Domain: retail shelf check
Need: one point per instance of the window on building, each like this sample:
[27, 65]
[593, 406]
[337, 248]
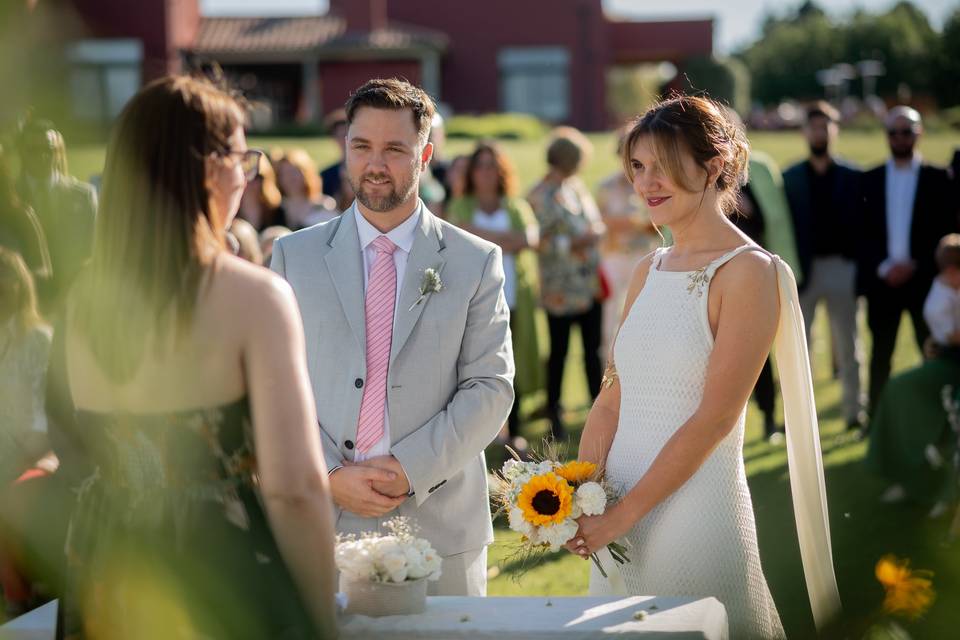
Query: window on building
[535, 80]
[104, 75]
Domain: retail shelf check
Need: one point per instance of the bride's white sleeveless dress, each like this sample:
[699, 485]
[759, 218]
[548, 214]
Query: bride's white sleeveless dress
[702, 540]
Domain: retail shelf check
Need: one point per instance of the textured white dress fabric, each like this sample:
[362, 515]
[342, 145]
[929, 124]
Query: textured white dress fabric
[702, 540]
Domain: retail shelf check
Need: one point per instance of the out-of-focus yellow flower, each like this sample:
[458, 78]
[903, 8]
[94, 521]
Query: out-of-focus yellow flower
[546, 500]
[576, 471]
[909, 593]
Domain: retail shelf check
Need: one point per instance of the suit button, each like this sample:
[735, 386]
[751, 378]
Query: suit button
[348, 444]
[358, 383]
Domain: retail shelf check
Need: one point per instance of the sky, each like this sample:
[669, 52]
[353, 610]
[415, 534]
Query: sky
[737, 21]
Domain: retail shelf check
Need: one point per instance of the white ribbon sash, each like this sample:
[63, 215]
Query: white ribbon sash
[612, 569]
[803, 452]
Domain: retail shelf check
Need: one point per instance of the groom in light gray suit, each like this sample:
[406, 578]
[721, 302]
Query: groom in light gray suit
[412, 373]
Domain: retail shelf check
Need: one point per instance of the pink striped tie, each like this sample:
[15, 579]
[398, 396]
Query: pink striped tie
[381, 298]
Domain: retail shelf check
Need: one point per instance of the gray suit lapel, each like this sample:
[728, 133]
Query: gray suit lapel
[345, 264]
[425, 254]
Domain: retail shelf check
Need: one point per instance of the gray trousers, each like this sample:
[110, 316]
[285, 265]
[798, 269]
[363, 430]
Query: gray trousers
[833, 280]
[463, 574]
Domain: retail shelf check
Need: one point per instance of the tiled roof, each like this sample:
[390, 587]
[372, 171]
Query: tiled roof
[304, 33]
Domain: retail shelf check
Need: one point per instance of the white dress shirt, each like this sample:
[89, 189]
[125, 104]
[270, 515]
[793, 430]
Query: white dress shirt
[901, 191]
[942, 311]
[403, 236]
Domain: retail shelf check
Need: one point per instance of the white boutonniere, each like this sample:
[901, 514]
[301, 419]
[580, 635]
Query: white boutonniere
[431, 283]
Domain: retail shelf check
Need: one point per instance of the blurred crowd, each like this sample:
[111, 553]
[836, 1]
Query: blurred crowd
[883, 241]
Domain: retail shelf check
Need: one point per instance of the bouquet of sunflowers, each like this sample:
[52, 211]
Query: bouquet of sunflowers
[543, 499]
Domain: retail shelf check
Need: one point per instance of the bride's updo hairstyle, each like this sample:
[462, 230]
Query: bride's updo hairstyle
[699, 127]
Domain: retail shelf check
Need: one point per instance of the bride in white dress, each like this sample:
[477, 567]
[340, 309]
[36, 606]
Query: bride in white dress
[668, 425]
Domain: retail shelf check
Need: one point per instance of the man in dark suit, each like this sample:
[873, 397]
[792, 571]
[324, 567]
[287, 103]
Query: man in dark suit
[65, 207]
[906, 210]
[824, 195]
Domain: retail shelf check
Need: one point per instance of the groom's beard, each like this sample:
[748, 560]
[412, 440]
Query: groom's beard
[393, 199]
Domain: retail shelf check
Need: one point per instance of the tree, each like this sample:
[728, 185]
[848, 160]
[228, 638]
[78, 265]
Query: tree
[783, 63]
[947, 72]
[726, 80]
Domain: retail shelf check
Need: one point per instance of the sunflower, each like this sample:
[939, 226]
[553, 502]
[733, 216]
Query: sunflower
[545, 500]
[576, 472]
[909, 593]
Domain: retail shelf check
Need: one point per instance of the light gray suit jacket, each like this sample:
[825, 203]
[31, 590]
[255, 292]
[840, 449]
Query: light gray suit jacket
[450, 381]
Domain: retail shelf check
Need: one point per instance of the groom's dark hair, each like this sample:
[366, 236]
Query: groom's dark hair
[395, 94]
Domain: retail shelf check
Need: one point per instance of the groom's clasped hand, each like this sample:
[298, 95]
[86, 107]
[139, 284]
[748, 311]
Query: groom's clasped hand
[370, 489]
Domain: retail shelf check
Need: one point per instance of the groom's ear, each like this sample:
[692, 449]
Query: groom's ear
[425, 155]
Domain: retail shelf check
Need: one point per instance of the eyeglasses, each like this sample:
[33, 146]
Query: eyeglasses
[249, 162]
[905, 133]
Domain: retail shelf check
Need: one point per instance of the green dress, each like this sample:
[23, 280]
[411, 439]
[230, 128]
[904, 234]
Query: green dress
[526, 339]
[910, 416]
[168, 537]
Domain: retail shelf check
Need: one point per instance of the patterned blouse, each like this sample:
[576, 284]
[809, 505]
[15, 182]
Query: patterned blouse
[23, 369]
[569, 279]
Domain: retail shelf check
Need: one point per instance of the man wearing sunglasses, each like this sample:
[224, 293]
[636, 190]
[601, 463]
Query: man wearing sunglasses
[907, 209]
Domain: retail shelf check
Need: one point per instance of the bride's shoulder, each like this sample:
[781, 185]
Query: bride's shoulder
[754, 269]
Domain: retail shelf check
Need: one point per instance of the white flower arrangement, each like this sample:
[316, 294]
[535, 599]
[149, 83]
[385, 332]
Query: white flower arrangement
[393, 558]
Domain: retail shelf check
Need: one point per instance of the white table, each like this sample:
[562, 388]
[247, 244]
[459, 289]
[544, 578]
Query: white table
[537, 618]
[549, 619]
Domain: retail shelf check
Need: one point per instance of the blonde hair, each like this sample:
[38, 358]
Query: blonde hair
[701, 128]
[568, 150]
[269, 194]
[16, 281]
[302, 162]
[948, 251]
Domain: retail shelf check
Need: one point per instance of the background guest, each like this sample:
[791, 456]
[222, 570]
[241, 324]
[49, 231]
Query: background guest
[630, 236]
[570, 233]
[20, 229]
[210, 493]
[907, 209]
[491, 209]
[332, 177]
[764, 215]
[260, 204]
[824, 195]
[267, 237]
[456, 178]
[65, 207]
[24, 351]
[304, 204]
[910, 421]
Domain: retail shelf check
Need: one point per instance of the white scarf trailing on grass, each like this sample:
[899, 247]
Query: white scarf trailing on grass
[803, 452]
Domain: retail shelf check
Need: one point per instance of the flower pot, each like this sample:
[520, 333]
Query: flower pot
[384, 598]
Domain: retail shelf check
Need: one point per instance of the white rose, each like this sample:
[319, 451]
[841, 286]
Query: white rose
[399, 575]
[432, 564]
[575, 510]
[592, 498]
[518, 523]
[558, 535]
[394, 561]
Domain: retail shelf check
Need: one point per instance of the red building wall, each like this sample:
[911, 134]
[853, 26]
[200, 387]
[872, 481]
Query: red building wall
[338, 79]
[162, 26]
[478, 30]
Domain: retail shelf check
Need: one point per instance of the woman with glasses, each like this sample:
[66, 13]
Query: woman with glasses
[180, 391]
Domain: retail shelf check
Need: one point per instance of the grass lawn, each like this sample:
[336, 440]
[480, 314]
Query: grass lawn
[863, 529]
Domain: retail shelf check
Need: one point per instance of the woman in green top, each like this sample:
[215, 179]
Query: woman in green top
[490, 209]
